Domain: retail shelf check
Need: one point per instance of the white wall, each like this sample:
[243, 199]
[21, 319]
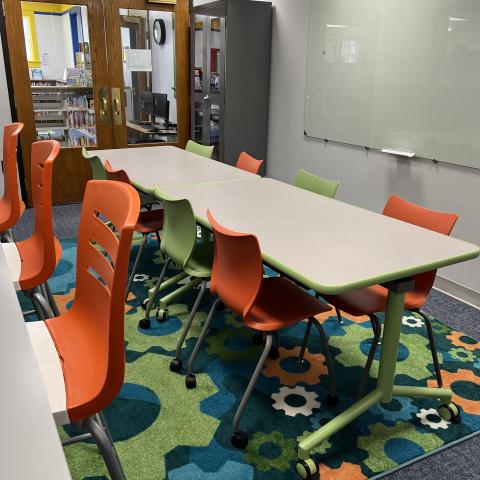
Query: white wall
[163, 76]
[366, 179]
[5, 116]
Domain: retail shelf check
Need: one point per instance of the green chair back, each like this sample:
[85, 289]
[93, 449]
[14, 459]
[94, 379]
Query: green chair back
[203, 150]
[313, 183]
[179, 228]
[98, 170]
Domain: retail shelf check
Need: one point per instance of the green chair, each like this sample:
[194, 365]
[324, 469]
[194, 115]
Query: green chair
[179, 245]
[203, 150]
[313, 183]
[98, 170]
[99, 173]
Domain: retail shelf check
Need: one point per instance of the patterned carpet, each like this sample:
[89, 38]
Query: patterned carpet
[164, 431]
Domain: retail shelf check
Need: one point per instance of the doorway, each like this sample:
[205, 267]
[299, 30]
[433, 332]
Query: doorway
[97, 74]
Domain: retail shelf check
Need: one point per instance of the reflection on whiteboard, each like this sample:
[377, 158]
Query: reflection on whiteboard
[138, 60]
[396, 74]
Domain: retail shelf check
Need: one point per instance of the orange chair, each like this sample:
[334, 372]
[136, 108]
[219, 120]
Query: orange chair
[372, 300]
[81, 354]
[33, 261]
[11, 206]
[248, 163]
[149, 222]
[265, 304]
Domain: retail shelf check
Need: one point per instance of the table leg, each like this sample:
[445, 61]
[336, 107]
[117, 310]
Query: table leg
[385, 388]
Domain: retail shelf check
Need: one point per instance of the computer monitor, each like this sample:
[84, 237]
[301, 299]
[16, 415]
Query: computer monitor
[161, 106]
[147, 102]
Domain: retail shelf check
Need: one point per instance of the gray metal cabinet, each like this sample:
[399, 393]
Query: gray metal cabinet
[230, 77]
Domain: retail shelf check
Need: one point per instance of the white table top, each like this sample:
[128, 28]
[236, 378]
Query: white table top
[170, 166]
[325, 244]
[29, 443]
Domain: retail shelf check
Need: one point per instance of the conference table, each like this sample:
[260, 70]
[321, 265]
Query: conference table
[327, 245]
[29, 444]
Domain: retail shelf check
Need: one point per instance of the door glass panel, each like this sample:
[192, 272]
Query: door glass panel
[200, 67]
[215, 55]
[215, 129]
[148, 54]
[58, 52]
[198, 122]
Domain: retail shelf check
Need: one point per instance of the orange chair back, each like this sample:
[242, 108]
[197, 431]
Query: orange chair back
[441, 222]
[116, 175]
[38, 251]
[237, 272]
[248, 163]
[102, 268]
[10, 203]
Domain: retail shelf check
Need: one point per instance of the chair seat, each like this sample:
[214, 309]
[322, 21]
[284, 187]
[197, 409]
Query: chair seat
[50, 369]
[371, 300]
[281, 303]
[200, 262]
[30, 261]
[150, 222]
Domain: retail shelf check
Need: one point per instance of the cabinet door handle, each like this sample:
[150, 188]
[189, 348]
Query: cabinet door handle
[103, 107]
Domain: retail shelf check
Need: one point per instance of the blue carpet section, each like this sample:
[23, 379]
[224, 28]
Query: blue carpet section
[163, 430]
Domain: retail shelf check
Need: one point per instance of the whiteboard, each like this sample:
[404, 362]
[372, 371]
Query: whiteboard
[398, 74]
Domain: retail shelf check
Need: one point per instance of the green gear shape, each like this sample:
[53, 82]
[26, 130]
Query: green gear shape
[351, 356]
[282, 462]
[195, 428]
[462, 355]
[139, 342]
[233, 320]
[439, 327]
[321, 449]
[217, 345]
[374, 443]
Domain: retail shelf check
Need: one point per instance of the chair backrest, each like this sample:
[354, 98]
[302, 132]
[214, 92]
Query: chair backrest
[203, 150]
[98, 170]
[248, 163]
[116, 175]
[179, 234]
[10, 203]
[440, 222]
[313, 183]
[237, 272]
[102, 268]
[41, 261]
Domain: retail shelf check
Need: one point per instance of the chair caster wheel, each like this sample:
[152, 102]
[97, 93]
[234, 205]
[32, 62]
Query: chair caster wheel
[176, 365]
[273, 353]
[239, 439]
[190, 381]
[257, 339]
[332, 400]
[307, 469]
[450, 412]
[144, 324]
[162, 314]
[145, 303]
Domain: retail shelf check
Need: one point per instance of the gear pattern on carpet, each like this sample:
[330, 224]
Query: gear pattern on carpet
[164, 431]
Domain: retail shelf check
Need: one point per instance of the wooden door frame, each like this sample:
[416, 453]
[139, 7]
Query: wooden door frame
[67, 187]
[182, 63]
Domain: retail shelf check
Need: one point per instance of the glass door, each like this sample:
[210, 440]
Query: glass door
[208, 81]
[149, 72]
[60, 84]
